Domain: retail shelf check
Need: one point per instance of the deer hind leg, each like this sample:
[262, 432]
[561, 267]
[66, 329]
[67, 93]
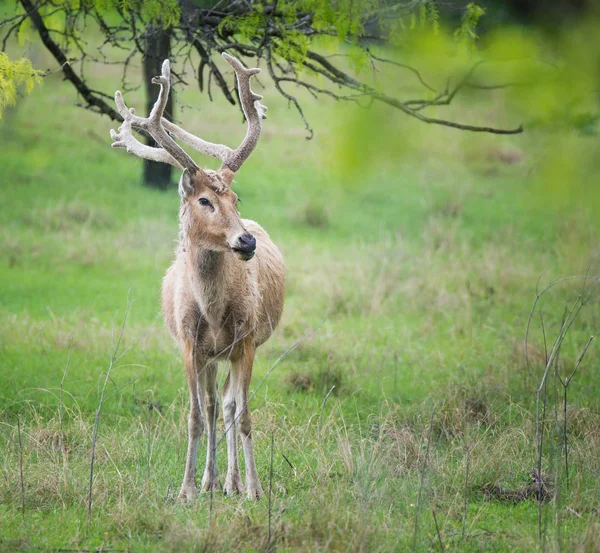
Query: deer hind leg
[242, 369]
[195, 428]
[233, 482]
[209, 400]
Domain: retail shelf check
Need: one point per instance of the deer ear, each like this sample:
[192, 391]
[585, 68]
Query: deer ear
[186, 186]
[227, 175]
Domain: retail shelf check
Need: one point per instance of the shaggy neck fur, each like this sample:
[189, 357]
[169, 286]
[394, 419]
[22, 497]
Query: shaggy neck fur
[208, 282]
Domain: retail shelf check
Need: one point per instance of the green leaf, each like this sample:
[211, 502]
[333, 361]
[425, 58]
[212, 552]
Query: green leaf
[13, 75]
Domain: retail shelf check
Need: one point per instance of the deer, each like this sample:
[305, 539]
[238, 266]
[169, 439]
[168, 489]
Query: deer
[222, 297]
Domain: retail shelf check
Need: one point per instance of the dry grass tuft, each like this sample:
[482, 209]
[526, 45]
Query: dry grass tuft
[299, 381]
[591, 540]
[330, 377]
[325, 379]
[534, 490]
[15, 545]
[477, 411]
[11, 249]
[313, 215]
[184, 538]
[68, 217]
[404, 452]
[583, 422]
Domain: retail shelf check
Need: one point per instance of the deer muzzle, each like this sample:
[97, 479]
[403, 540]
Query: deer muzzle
[245, 246]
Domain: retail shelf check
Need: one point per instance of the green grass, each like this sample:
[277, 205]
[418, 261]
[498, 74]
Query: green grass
[411, 273]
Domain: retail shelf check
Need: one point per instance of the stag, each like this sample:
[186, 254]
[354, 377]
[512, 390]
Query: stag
[223, 295]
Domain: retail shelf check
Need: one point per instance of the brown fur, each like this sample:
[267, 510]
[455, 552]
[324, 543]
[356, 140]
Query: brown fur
[220, 307]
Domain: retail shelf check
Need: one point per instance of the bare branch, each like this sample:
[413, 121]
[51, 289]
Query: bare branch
[394, 102]
[287, 96]
[403, 66]
[61, 58]
[207, 60]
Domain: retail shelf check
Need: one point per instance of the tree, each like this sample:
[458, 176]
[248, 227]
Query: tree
[337, 48]
[157, 49]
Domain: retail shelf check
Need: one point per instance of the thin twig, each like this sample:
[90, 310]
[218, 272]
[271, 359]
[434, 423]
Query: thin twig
[403, 66]
[321, 415]
[565, 385]
[540, 445]
[113, 359]
[569, 318]
[395, 374]
[422, 480]
[61, 438]
[21, 469]
[437, 528]
[466, 488]
[270, 546]
[579, 360]
[149, 438]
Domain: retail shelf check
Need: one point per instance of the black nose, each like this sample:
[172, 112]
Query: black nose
[247, 243]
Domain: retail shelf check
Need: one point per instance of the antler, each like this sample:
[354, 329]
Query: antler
[170, 151]
[254, 111]
[159, 127]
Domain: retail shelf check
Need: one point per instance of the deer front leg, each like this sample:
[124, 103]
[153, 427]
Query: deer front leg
[233, 482]
[243, 373]
[195, 428]
[207, 387]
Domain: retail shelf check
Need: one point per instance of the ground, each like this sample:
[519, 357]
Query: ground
[393, 408]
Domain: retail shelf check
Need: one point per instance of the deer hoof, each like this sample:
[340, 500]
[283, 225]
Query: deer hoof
[210, 482]
[254, 492]
[188, 493]
[233, 485]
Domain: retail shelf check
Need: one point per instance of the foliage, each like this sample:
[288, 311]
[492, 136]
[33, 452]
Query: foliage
[164, 12]
[466, 34]
[61, 17]
[322, 47]
[430, 14]
[14, 75]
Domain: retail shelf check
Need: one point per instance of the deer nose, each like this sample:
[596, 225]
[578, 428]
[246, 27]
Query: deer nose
[247, 243]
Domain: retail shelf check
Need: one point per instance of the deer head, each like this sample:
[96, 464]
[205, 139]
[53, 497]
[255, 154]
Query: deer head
[209, 215]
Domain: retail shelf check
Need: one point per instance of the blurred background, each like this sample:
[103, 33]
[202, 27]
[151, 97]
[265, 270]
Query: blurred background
[426, 168]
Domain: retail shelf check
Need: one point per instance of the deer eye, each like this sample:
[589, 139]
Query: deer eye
[204, 201]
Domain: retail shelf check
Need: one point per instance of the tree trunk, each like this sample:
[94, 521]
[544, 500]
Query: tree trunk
[156, 175]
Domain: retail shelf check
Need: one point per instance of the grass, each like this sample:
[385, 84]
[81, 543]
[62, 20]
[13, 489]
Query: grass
[411, 273]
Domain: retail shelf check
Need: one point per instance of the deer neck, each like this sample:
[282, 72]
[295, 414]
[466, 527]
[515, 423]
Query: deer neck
[208, 279]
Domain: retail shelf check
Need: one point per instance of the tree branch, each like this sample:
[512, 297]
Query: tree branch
[93, 101]
[351, 82]
[201, 30]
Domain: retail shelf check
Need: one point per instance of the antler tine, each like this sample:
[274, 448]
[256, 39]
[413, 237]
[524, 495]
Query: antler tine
[254, 111]
[219, 151]
[153, 124]
[125, 139]
[164, 80]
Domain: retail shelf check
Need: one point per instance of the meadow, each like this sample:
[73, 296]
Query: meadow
[393, 409]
